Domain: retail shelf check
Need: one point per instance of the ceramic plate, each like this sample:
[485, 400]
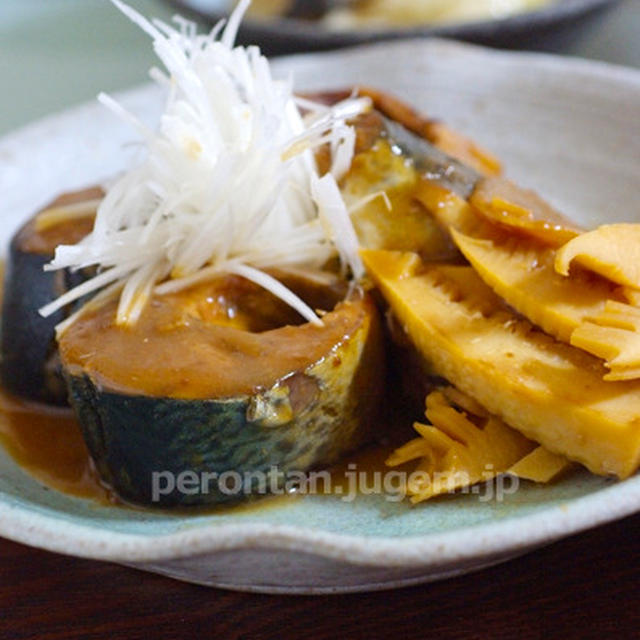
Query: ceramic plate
[565, 127]
[521, 30]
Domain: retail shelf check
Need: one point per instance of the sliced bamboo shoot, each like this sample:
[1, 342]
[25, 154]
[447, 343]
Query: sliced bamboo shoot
[540, 466]
[583, 310]
[551, 392]
[454, 451]
[522, 274]
[612, 250]
[522, 211]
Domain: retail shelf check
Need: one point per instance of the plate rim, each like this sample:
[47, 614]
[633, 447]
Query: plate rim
[425, 551]
[53, 533]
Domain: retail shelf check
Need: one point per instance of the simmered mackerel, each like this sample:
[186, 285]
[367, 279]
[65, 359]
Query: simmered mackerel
[223, 377]
[29, 364]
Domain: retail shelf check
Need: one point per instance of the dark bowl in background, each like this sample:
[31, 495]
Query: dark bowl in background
[543, 29]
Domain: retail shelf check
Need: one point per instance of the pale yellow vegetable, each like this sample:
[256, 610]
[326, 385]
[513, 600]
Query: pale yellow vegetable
[449, 209]
[521, 211]
[614, 335]
[455, 452]
[522, 273]
[551, 392]
[612, 250]
[540, 466]
[584, 310]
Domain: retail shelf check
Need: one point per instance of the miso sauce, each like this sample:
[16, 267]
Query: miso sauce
[47, 443]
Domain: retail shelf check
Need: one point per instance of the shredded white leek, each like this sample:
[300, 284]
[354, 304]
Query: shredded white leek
[229, 183]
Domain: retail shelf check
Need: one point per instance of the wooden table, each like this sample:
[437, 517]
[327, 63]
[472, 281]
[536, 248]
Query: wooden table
[582, 587]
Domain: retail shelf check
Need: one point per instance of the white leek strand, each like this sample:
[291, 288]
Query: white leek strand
[229, 181]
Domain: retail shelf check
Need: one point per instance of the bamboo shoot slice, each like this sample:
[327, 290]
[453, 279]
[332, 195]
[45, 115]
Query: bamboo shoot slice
[540, 466]
[612, 250]
[522, 273]
[584, 310]
[613, 334]
[551, 392]
[522, 211]
[454, 451]
[450, 210]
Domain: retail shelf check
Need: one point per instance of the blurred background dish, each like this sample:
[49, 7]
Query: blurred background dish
[381, 14]
[532, 24]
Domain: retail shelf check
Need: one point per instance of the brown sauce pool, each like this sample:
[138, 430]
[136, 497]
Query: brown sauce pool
[47, 443]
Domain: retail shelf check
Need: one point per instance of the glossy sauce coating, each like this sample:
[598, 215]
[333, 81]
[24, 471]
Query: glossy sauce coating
[47, 443]
[215, 340]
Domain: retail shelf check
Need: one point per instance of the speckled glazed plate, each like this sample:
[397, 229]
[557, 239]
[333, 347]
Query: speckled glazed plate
[565, 127]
